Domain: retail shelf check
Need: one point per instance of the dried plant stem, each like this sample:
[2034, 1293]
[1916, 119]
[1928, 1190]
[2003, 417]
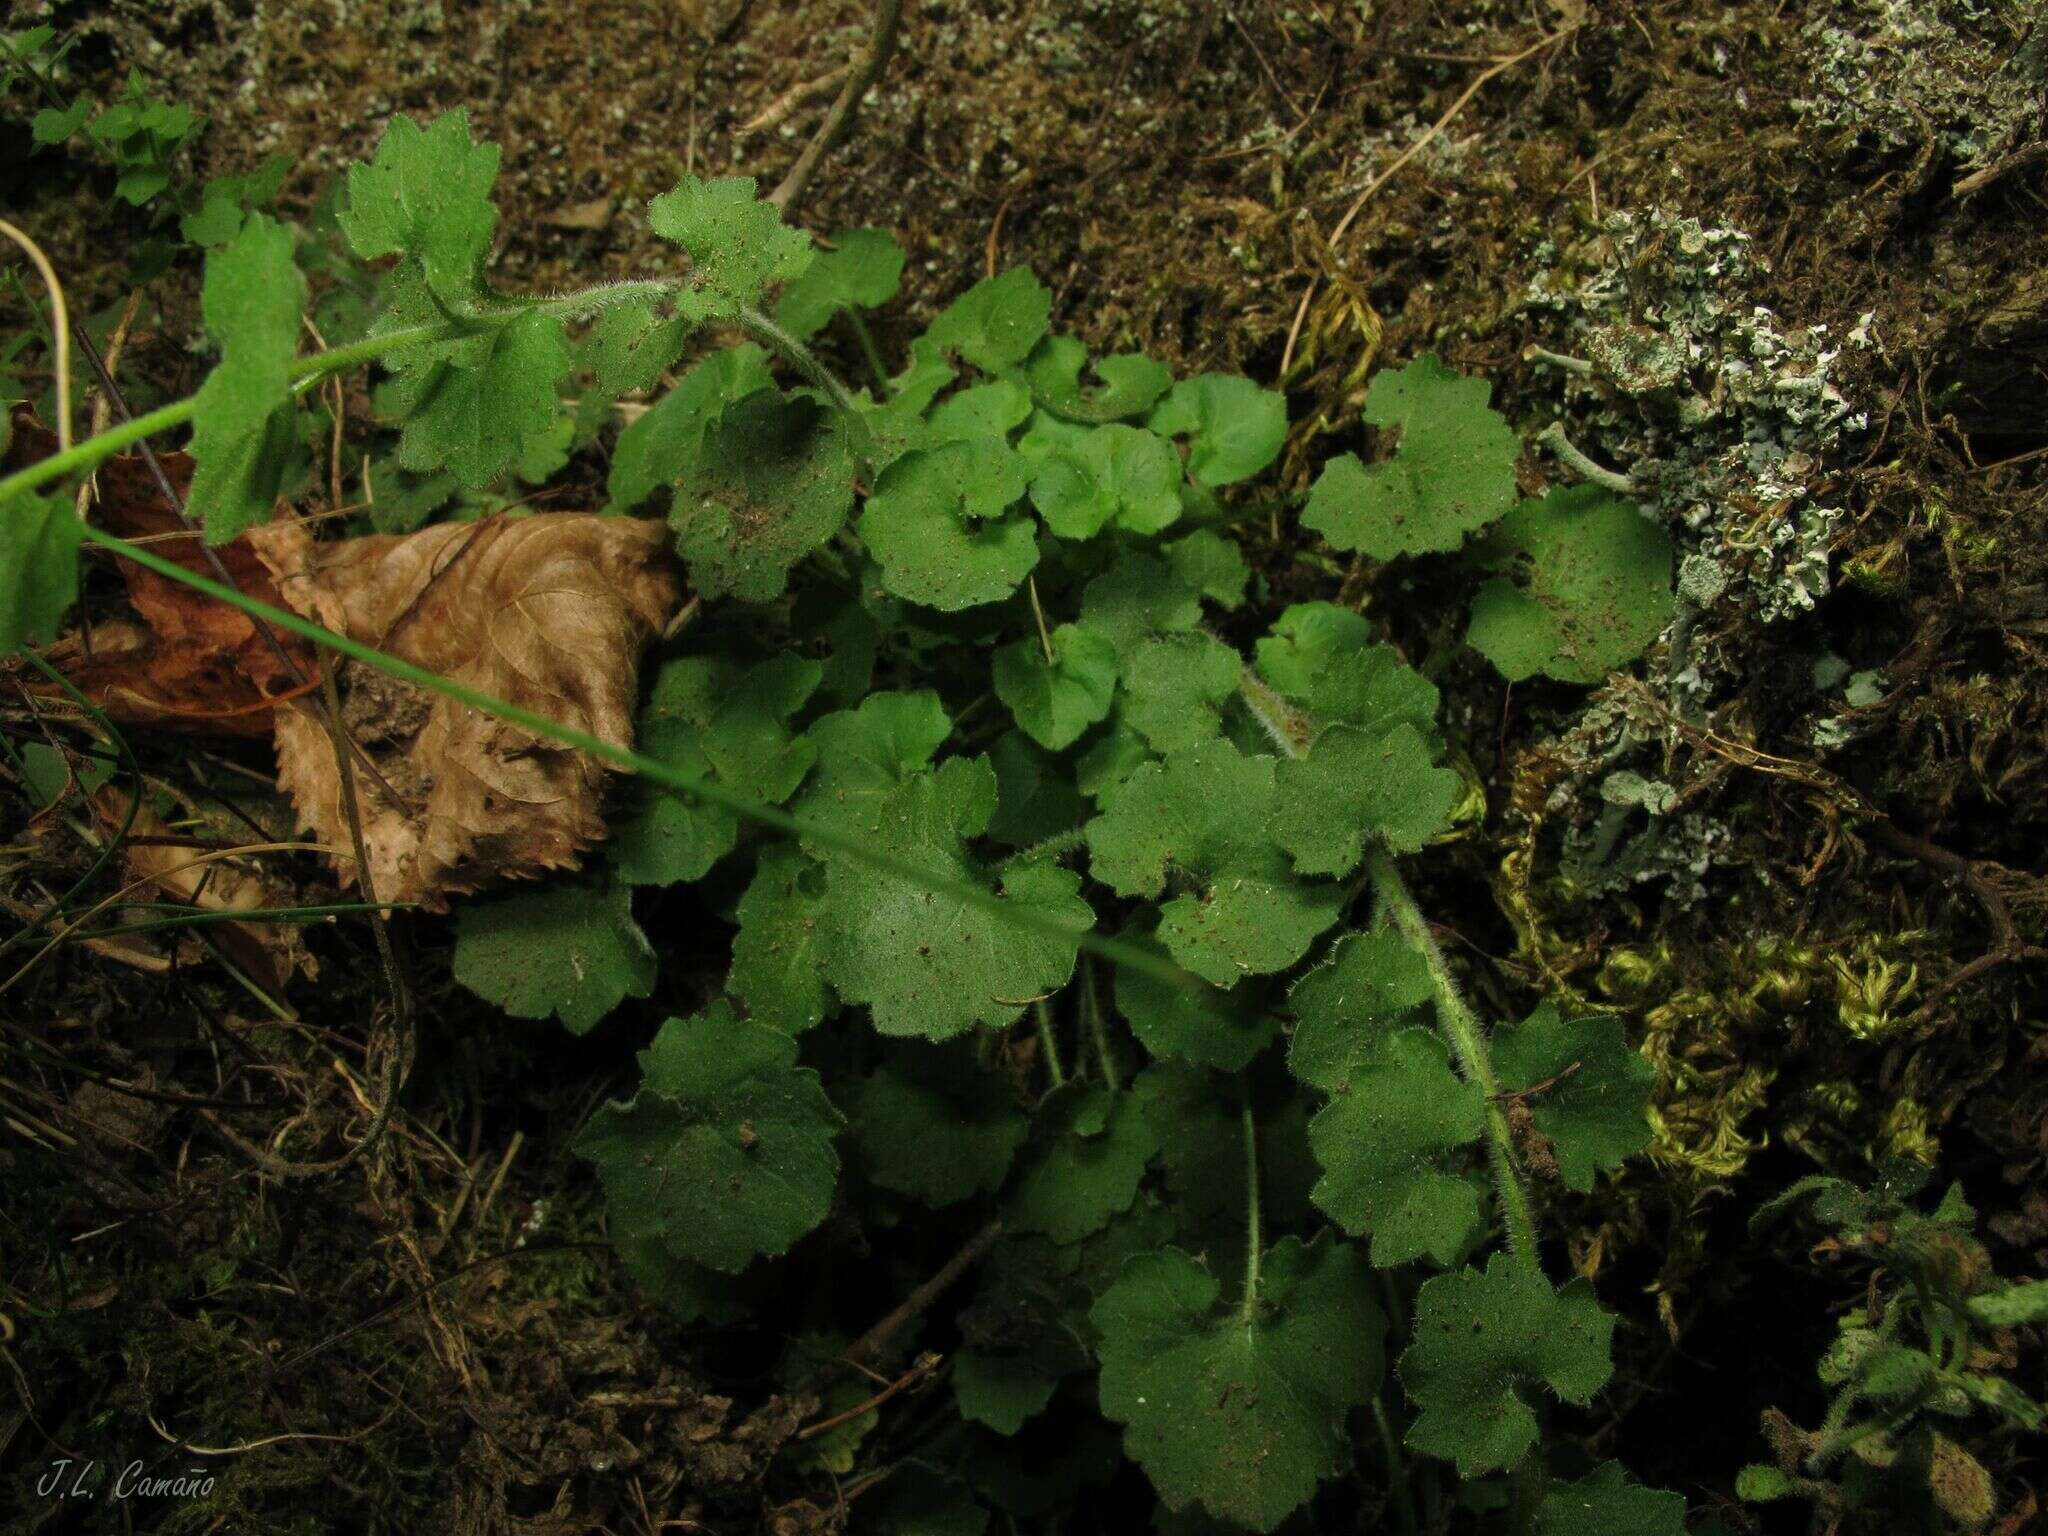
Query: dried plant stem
[864, 1348]
[1498, 67]
[60, 327]
[888, 18]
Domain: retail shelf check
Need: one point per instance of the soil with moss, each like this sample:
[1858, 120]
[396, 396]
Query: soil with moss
[1801, 856]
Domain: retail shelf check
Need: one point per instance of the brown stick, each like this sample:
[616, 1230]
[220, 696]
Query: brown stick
[2008, 947]
[915, 1303]
[888, 17]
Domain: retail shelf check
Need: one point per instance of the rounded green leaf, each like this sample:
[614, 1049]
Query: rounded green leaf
[935, 521]
[1130, 382]
[772, 482]
[933, 1124]
[1089, 1149]
[1597, 589]
[666, 442]
[1240, 1412]
[477, 414]
[778, 970]
[725, 1153]
[1351, 791]
[927, 965]
[995, 324]
[243, 440]
[1120, 474]
[427, 194]
[722, 723]
[1223, 1030]
[1390, 1143]
[1584, 1089]
[1605, 1503]
[1176, 687]
[1452, 472]
[1482, 1338]
[1056, 701]
[1371, 984]
[738, 244]
[1234, 428]
[1203, 813]
[862, 270]
[568, 949]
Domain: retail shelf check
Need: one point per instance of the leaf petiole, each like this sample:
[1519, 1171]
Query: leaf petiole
[1254, 1236]
[305, 373]
[1049, 1044]
[1468, 1044]
[866, 338]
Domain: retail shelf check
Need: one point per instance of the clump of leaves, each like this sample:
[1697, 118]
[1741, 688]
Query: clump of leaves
[1923, 1363]
[958, 733]
[1588, 583]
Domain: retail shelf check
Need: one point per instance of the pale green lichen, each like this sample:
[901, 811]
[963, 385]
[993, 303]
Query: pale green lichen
[1631, 832]
[1923, 78]
[1860, 691]
[1721, 416]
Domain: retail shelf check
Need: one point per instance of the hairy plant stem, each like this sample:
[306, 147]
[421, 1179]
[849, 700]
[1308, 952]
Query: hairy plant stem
[1568, 453]
[309, 371]
[799, 356]
[305, 373]
[1254, 1237]
[1397, 1474]
[1091, 1005]
[1048, 1044]
[1467, 1036]
[1468, 1044]
[668, 777]
[1283, 727]
[883, 388]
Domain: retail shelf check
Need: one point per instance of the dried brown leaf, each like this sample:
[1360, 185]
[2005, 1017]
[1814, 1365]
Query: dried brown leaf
[268, 953]
[550, 612]
[191, 664]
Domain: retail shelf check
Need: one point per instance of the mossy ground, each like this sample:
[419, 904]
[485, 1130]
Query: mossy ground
[1172, 170]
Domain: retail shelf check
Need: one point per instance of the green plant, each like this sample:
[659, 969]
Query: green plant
[1908, 1372]
[141, 138]
[965, 705]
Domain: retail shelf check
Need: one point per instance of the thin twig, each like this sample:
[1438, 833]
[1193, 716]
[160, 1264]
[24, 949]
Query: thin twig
[387, 952]
[1498, 67]
[2008, 947]
[789, 101]
[923, 1367]
[102, 410]
[888, 17]
[857, 1353]
[405, 1303]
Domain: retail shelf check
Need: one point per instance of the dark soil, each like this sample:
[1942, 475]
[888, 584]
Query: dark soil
[436, 1333]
